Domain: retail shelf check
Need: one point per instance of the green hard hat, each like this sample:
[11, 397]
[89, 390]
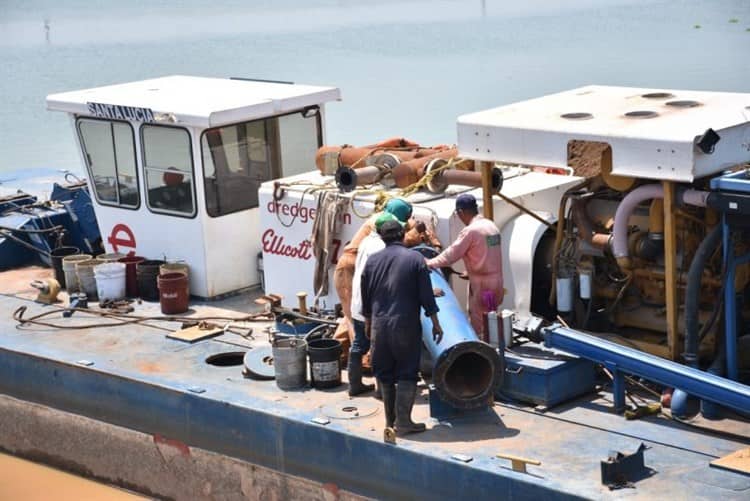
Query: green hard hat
[383, 218]
[399, 208]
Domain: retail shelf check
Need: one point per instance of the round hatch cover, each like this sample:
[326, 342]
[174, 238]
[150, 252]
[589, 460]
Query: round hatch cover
[351, 409]
[259, 364]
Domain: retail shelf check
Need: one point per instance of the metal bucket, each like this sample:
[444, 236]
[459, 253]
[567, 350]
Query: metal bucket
[290, 363]
[57, 256]
[69, 269]
[325, 364]
[112, 257]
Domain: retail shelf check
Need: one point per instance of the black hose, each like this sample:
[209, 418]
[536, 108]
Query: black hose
[692, 294]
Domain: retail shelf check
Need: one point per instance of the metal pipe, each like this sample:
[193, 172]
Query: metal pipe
[347, 179]
[627, 206]
[442, 179]
[693, 291]
[411, 171]
[621, 358]
[466, 371]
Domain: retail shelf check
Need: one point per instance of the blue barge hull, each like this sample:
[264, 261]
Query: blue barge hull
[136, 378]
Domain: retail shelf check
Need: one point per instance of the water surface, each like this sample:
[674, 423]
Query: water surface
[404, 68]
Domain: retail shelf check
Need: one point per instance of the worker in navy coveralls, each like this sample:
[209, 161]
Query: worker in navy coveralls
[395, 286]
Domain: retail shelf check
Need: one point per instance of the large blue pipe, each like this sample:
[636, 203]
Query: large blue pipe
[466, 371]
[623, 359]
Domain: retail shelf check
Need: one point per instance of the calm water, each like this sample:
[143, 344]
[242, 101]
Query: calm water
[405, 68]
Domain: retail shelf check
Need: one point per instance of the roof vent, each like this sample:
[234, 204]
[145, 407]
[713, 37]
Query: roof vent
[683, 104]
[641, 114]
[658, 95]
[577, 116]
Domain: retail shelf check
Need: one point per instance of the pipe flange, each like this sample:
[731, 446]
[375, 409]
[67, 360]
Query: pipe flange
[351, 409]
[258, 364]
[346, 179]
[436, 184]
[387, 160]
[449, 368]
[427, 251]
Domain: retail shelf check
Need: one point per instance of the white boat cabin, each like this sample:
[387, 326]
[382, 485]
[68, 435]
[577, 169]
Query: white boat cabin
[175, 163]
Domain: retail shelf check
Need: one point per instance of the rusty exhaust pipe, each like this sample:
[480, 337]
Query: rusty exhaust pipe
[442, 179]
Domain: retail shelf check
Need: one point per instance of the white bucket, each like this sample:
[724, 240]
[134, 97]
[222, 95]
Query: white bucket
[110, 281]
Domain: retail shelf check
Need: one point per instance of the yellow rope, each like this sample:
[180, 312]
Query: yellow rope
[426, 178]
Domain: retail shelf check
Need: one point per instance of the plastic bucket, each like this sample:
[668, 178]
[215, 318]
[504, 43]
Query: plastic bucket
[131, 282]
[325, 366]
[110, 281]
[69, 270]
[174, 268]
[86, 278]
[57, 256]
[174, 293]
[112, 257]
[146, 273]
[290, 363]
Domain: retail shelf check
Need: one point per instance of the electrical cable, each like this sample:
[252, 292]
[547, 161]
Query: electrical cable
[123, 318]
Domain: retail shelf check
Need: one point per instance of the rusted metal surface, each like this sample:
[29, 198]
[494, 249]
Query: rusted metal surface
[155, 465]
[19, 281]
[138, 375]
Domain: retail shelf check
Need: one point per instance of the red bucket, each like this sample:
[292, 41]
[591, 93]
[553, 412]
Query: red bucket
[131, 280]
[174, 293]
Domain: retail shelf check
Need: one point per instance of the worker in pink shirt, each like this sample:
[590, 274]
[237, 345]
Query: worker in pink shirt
[478, 244]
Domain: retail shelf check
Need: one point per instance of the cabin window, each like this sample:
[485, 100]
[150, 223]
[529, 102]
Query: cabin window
[109, 153]
[168, 166]
[238, 158]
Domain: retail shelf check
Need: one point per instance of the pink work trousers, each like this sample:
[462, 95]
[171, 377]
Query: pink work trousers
[479, 285]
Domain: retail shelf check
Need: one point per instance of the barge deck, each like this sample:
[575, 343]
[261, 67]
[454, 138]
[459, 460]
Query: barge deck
[132, 407]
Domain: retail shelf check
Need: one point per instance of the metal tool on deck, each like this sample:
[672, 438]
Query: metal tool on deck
[621, 470]
[273, 303]
[76, 300]
[48, 290]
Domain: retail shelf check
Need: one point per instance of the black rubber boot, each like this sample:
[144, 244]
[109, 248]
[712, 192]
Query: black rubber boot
[388, 391]
[355, 376]
[405, 395]
[378, 391]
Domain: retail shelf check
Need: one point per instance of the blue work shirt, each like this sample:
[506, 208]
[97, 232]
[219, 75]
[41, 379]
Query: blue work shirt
[395, 285]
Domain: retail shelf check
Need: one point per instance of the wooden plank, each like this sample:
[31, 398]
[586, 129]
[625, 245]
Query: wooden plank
[670, 269]
[738, 461]
[489, 207]
[195, 333]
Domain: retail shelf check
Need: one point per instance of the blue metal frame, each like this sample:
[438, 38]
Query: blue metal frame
[218, 420]
[738, 182]
[730, 299]
[621, 359]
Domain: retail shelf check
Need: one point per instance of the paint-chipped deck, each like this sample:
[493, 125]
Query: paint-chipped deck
[135, 377]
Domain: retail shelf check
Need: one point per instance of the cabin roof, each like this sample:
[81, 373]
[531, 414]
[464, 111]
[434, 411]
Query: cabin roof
[652, 132]
[193, 101]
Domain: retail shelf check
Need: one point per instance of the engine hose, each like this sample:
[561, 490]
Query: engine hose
[692, 294]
